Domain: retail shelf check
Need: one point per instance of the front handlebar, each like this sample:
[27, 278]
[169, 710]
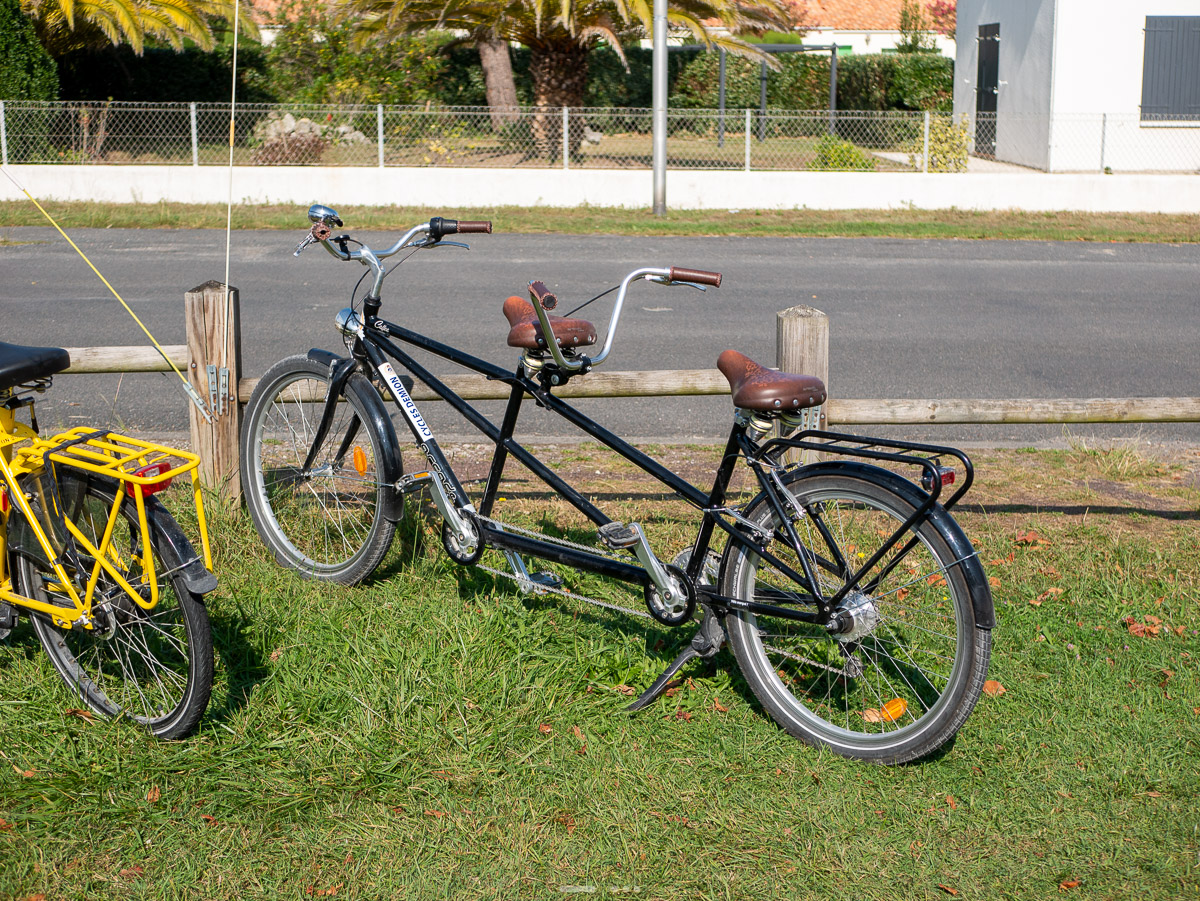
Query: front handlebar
[325, 218]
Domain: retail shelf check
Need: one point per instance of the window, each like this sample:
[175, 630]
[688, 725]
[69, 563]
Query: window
[1171, 69]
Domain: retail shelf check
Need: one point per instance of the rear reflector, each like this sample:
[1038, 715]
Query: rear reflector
[944, 473]
[149, 472]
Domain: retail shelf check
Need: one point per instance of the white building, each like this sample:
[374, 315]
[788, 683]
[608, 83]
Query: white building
[1081, 85]
[860, 26]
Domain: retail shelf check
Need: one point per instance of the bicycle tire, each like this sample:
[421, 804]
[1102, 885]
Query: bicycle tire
[330, 525]
[923, 660]
[154, 666]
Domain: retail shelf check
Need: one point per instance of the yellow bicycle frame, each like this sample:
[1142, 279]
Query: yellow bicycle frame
[119, 457]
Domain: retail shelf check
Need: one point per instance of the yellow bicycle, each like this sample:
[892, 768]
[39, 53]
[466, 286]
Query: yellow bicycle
[110, 582]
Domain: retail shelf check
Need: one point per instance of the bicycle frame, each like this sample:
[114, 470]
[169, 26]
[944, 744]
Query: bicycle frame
[378, 342]
[140, 467]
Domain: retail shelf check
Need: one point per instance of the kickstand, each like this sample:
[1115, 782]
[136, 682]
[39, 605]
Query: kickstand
[709, 639]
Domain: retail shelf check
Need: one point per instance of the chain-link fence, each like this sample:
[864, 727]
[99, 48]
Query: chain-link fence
[197, 134]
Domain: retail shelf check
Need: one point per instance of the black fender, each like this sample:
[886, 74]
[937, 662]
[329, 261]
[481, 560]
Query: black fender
[176, 550]
[391, 463]
[960, 545]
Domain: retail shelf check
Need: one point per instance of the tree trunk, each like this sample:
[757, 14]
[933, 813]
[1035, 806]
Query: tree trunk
[498, 82]
[559, 71]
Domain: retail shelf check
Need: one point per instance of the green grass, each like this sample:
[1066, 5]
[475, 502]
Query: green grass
[434, 734]
[1057, 226]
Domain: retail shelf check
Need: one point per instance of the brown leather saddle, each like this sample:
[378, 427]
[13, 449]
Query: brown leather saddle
[755, 387]
[526, 330]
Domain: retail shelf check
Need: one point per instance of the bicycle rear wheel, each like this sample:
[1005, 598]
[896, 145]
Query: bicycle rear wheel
[154, 666]
[328, 523]
[901, 684]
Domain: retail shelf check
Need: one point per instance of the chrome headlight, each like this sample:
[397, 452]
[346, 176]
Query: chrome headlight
[349, 323]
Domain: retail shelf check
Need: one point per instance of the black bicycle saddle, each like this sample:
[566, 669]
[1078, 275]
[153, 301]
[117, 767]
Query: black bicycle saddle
[22, 364]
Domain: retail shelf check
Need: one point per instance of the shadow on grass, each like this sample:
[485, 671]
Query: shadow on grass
[1081, 509]
[244, 666]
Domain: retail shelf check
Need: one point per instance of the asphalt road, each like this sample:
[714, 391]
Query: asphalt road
[915, 319]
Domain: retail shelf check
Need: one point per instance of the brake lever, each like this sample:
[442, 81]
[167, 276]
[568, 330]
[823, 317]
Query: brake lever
[319, 232]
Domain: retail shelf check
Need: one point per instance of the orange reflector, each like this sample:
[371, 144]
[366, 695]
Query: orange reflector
[360, 460]
[893, 710]
[149, 472]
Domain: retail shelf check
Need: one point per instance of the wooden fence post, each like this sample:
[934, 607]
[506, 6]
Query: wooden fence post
[802, 346]
[214, 344]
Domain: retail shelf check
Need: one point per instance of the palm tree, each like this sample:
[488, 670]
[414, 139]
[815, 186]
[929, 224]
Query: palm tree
[560, 36]
[66, 25]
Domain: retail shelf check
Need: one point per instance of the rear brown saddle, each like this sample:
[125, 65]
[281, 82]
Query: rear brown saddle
[754, 387]
[526, 330]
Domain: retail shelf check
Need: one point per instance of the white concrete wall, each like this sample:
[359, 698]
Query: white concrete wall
[449, 189]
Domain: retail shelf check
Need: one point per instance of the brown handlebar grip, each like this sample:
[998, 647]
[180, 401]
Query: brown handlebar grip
[699, 276]
[540, 294]
[478, 228]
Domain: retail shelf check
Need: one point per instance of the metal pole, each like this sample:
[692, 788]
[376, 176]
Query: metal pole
[566, 139]
[1104, 133]
[833, 89]
[762, 103]
[747, 139]
[925, 146]
[659, 102]
[721, 98]
[379, 131]
[195, 137]
[3, 136]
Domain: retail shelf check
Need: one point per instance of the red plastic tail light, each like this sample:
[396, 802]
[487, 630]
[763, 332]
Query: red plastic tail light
[149, 472]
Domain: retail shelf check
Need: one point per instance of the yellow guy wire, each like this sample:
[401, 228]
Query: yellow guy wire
[237, 6]
[195, 398]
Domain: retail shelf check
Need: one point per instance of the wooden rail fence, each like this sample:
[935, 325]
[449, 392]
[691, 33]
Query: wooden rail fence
[802, 345]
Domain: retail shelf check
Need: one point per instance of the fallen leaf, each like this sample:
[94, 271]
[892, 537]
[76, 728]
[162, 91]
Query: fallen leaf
[947, 889]
[276, 654]
[577, 732]
[132, 872]
[718, 706]
[154, 794]
[86, 715]
[993, 688]
[950, 800]
[871, 715]
[626, 690]
[545, 729]
[398, 809]
[1153, 620]
[28, 774]
[1035, 602]
[936, 579]
[1153, 794]
[1167, 674]
[438, 814]
[1031, 538]
[209, 818]
[582, 750]
[5, 826]
[684, 715]
[1049, 593]
[1069, 884]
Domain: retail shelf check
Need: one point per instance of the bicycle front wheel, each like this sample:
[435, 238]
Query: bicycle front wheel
[326, 522]
[154, 666]
[902, 681]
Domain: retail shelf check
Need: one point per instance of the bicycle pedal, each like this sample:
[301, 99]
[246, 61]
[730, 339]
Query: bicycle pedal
[412, 481]
[617, 535]
[545, 579]
[8, 618]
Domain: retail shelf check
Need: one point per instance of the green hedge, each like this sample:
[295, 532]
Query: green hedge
[28, 72]
[891, 81]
